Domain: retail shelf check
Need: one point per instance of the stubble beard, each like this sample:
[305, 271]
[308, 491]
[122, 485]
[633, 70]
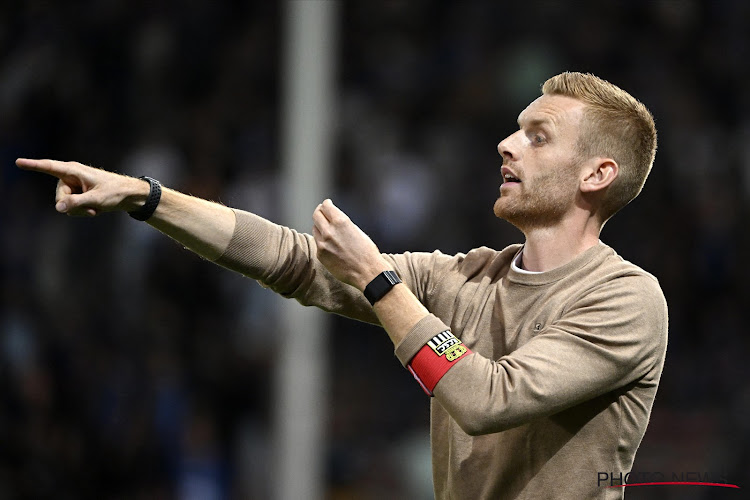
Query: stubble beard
[542, 202]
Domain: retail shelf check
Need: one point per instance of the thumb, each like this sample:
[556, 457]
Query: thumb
[78, 204]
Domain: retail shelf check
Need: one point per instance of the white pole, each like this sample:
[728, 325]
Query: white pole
[301, 373]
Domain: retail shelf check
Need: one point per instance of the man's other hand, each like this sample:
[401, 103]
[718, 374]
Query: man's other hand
[344, 249]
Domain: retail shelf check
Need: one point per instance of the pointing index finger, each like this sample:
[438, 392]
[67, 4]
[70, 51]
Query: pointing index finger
[51, 167]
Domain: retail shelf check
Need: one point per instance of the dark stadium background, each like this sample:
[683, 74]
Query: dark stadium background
[130, 368]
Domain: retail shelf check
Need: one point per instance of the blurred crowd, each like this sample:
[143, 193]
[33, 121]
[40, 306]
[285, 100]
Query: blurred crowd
[130, 368]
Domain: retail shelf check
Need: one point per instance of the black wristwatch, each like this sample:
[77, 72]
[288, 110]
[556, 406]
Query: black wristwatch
[381, 285]
[152, 201]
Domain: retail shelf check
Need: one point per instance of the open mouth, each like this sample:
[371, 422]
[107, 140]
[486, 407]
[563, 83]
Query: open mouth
[510, 178]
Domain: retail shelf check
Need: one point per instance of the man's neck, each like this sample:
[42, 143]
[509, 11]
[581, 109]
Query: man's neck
[551, 247]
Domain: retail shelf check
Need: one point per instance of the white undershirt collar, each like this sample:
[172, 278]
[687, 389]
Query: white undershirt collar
[517, 268]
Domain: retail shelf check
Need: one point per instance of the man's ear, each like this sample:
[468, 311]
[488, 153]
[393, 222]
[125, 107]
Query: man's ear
[602, 173]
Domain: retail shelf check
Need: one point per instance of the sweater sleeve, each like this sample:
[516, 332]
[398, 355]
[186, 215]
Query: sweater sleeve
[285, 261]
[609, 338]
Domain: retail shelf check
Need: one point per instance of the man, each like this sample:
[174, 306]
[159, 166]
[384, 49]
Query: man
[543, 358]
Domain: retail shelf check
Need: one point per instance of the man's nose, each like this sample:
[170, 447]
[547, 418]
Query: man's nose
[506, 149]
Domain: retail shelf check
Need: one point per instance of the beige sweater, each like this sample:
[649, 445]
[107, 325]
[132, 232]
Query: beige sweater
[564, 369]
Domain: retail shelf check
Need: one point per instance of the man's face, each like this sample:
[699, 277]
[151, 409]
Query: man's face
[541, 165]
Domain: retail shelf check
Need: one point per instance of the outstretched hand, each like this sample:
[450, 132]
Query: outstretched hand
[87, 191]
[344, 249]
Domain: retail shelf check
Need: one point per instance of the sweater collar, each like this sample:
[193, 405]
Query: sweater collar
[598, 251]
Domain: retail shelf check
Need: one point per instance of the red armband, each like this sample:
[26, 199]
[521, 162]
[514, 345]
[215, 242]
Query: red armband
[434, 360]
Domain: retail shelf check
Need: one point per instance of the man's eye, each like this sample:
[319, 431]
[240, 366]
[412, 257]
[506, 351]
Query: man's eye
[539, 139]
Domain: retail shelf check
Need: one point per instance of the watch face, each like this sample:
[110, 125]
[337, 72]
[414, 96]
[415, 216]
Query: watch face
[379, 286]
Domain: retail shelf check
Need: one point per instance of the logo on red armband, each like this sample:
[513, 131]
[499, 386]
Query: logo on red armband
[435, 358]
[455, 352]
[446, 344]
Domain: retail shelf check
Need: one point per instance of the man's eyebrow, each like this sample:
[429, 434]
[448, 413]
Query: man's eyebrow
[536, 122]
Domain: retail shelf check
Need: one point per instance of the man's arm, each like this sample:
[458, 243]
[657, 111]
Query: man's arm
[612, 337]
[204, 227]
[279, 257]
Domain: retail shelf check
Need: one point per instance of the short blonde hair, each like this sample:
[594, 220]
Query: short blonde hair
[615, 125]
